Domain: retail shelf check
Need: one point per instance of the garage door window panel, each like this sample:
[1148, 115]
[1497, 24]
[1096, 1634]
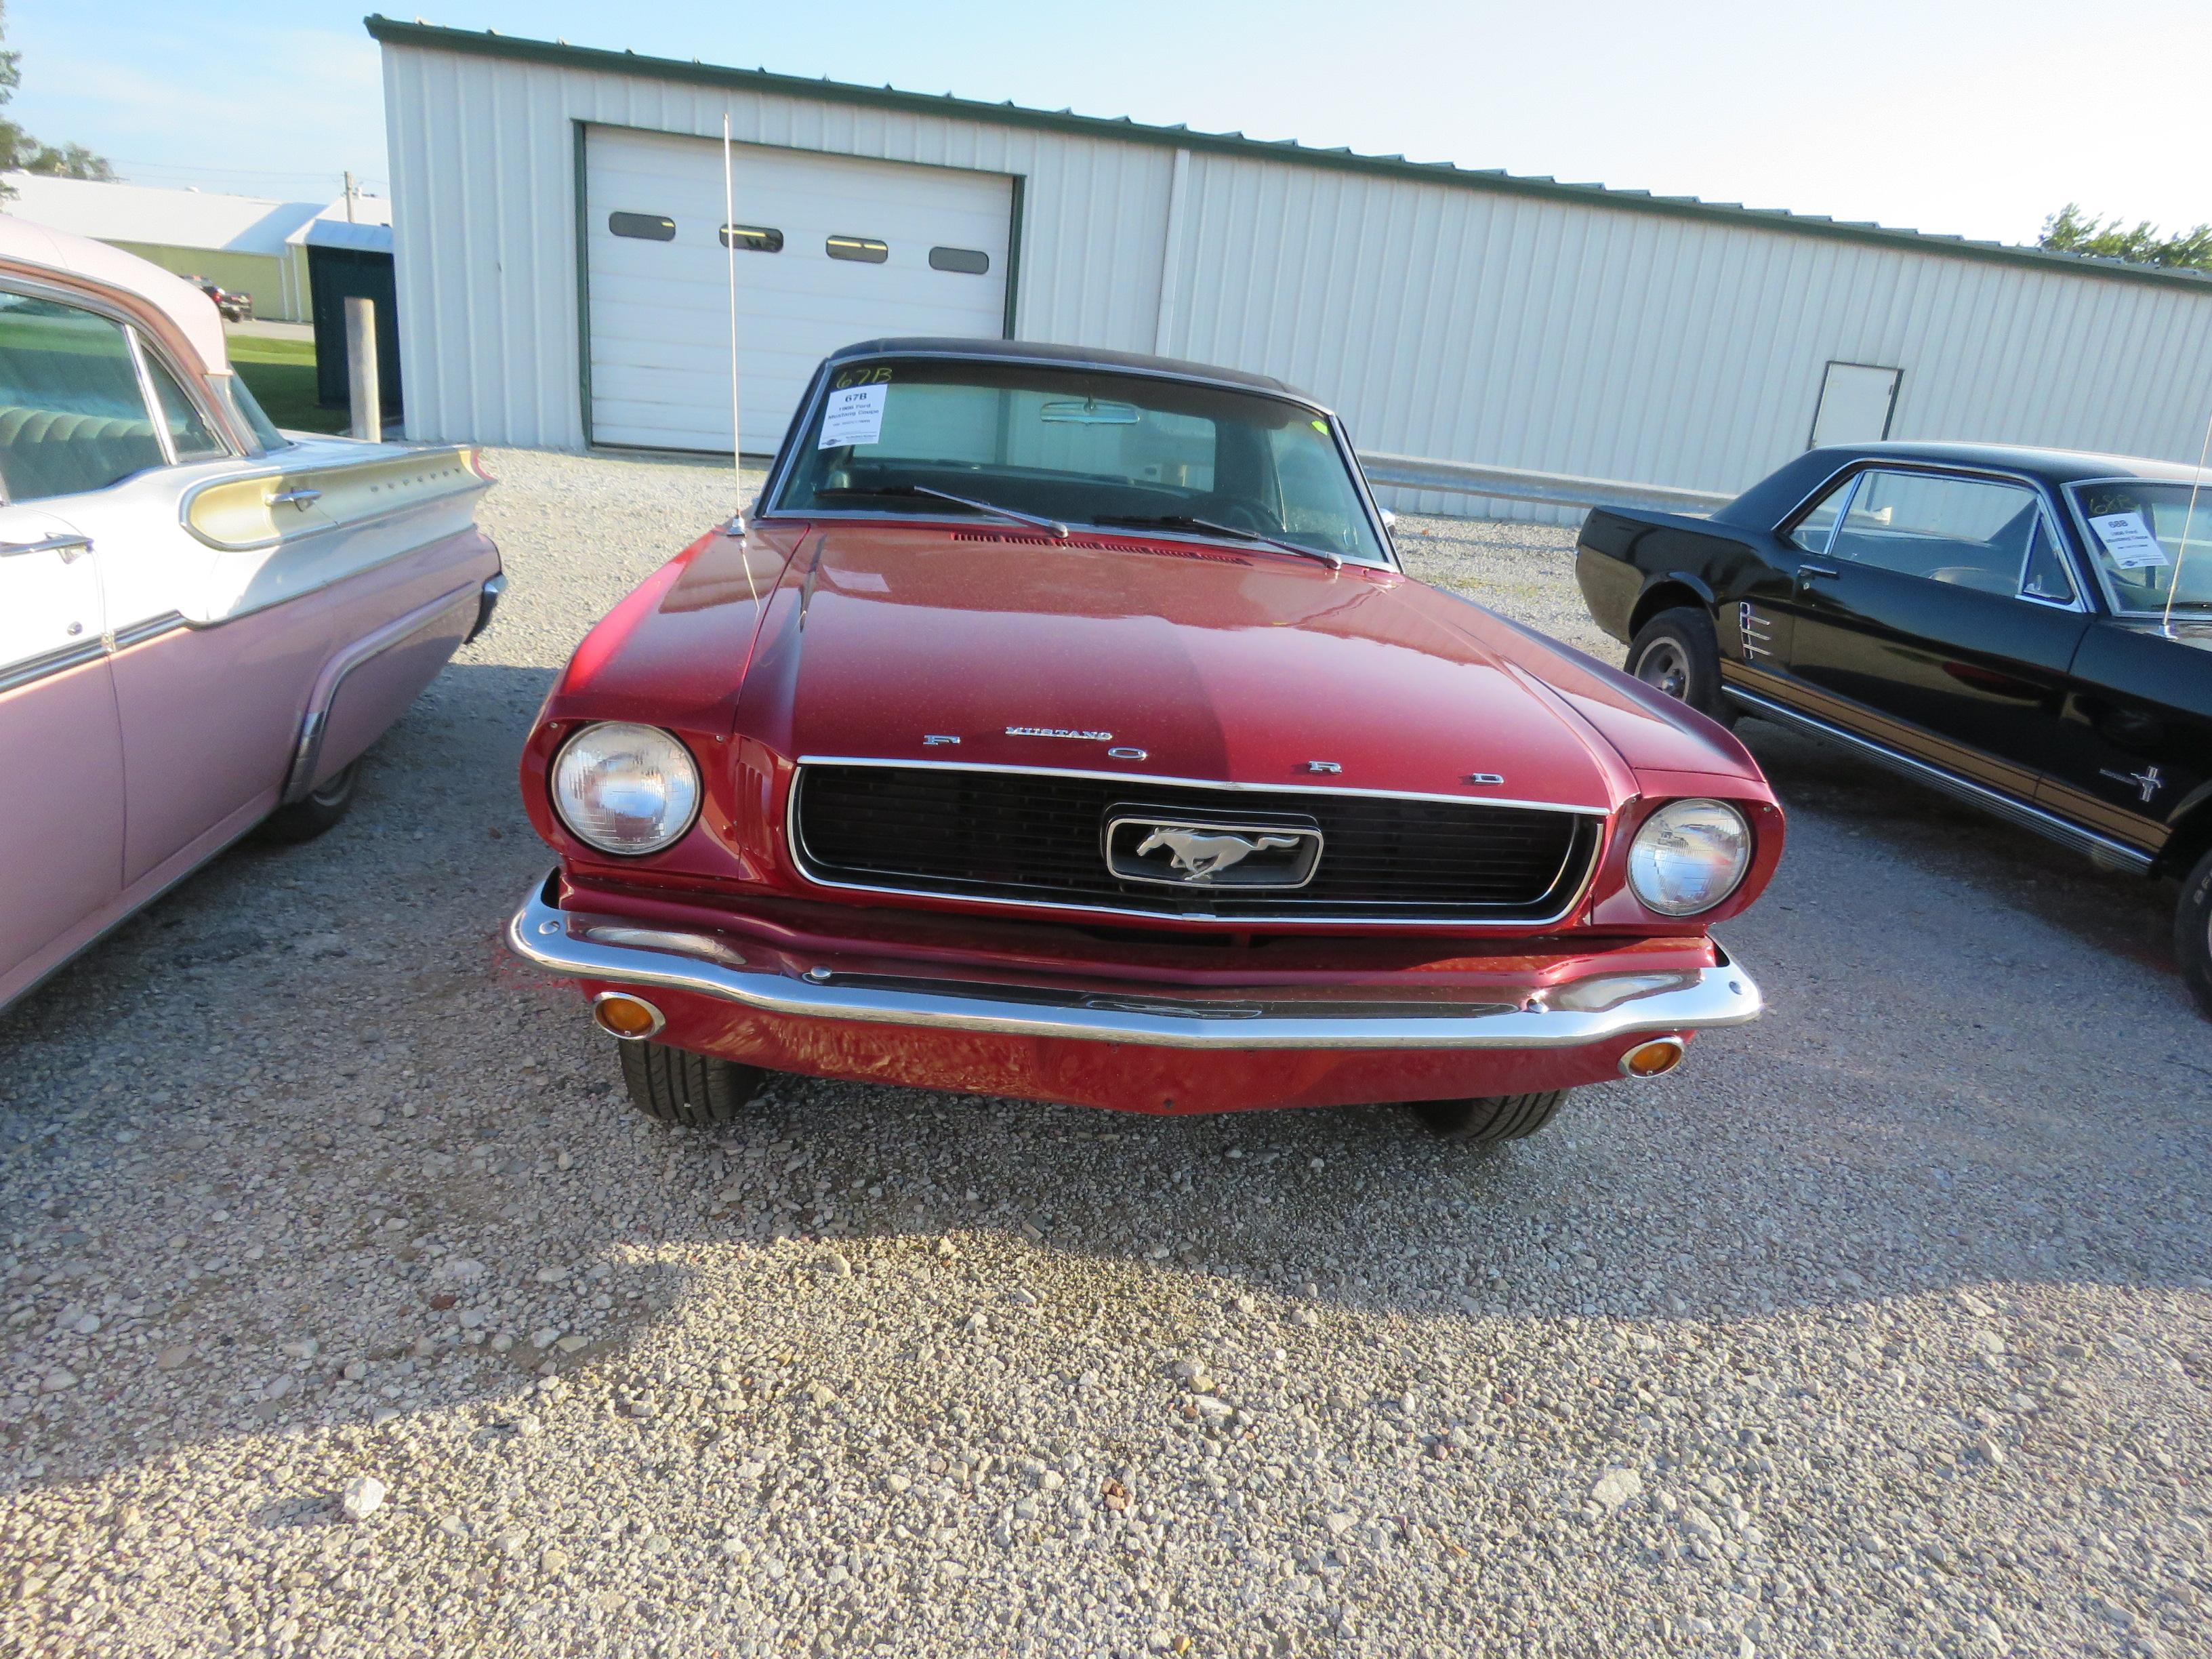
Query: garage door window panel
[967, 261]
[752, 239]
[641, 226]
[1970, 532]
[860, 250]
[73, 415]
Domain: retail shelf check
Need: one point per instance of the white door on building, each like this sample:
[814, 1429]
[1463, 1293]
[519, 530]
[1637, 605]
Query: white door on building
[1857, 400]
[830, 249]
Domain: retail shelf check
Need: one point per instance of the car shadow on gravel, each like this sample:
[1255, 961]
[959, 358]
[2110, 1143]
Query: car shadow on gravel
[309, 1150]
[1991, 861]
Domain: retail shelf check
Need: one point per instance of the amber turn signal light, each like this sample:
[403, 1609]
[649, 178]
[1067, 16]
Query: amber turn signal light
[620, 1014]
[1652, 1058]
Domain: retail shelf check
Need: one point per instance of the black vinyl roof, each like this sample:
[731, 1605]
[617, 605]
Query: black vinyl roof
[1766, 502]
[392, 32]
[2052, 465]
[1073, 357]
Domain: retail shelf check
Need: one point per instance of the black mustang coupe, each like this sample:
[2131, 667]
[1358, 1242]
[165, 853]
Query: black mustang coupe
[2027, 630]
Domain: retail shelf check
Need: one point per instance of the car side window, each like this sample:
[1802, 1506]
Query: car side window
[1813, 531]
[190, 435]
[1967, 532]
[2048, 577]
[72, 417]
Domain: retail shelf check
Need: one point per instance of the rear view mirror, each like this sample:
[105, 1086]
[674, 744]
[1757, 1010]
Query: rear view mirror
[1090, 412]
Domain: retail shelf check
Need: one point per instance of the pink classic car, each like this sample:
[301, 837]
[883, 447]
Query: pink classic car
[203, 622]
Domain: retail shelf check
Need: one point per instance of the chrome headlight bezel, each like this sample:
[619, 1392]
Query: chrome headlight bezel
[1671, 841]
[652, 755]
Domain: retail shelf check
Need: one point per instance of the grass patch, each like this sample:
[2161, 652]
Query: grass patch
[281, 374]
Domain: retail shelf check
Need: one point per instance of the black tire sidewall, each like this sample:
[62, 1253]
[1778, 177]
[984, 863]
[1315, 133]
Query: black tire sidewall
[307, 818]
[1693, 633]
[1489, 1120]
[685, 1089]
[2193, 933]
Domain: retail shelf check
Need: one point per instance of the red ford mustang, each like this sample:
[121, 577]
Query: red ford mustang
[1061, 726]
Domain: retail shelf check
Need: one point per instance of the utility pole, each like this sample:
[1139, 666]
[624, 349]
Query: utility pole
[349, 195]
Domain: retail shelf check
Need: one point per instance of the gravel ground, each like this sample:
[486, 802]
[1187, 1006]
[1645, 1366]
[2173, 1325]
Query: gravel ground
[347, 1310]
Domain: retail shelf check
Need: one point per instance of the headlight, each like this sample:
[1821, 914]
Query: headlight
[1689, 856]
[623, 788]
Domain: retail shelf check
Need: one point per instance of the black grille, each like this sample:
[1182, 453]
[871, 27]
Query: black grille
[1036, 838]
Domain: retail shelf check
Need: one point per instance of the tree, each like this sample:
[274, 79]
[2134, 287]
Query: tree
[2069, 230]
[19, 152]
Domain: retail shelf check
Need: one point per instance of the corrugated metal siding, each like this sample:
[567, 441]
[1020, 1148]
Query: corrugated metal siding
[483, 188]
[1450, 323]
[1445, 321]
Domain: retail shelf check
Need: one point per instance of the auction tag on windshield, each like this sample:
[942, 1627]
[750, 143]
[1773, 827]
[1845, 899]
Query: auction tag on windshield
[854, 415]
[2128, 538]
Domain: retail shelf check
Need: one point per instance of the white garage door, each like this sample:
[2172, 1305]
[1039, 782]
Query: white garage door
[830, 250]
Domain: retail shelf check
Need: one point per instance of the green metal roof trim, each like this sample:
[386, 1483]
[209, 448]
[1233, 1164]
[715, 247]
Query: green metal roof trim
[435, 37]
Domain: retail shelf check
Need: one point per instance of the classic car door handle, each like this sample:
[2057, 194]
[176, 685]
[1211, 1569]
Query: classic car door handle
[69, 547]
[300, 498]
[1807, 572]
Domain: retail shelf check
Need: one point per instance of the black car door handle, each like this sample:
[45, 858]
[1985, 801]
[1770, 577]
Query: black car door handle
[1806, 573]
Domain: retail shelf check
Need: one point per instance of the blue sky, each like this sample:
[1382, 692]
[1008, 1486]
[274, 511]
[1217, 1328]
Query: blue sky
[1975, 120]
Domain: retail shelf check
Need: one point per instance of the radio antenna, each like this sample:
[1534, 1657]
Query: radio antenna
[2188, 520]
[737, 524]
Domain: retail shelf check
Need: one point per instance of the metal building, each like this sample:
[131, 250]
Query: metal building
[561, 238]
[248, 244]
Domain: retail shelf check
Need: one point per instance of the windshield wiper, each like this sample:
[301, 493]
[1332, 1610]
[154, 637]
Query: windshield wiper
[1185, 521]
[1053, 526]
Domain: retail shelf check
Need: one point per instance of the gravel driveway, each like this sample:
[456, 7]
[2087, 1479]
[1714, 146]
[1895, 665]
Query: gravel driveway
[1882, 1327]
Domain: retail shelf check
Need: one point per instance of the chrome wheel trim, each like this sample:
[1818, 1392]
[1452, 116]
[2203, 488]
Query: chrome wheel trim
[1665, 666]
[335, 790]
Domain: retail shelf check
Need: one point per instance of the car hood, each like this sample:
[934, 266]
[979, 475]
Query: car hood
[1191, 660]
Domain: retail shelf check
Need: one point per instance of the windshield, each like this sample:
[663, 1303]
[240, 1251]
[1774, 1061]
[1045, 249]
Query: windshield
[1078, 446]
[2150, 543]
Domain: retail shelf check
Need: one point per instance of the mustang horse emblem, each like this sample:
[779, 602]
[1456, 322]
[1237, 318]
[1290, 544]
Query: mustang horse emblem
[1200, 854]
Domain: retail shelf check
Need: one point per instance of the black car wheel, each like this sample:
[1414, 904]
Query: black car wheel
[694, 1092]
[304, 819]
[1677, 652]
[1489, 1120]
[2193, 933]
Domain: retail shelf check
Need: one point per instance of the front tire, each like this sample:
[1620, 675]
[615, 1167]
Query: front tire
[316, 812]
[1489, 1120]
[1677, 652]
[693, 1091]
[2193, 933]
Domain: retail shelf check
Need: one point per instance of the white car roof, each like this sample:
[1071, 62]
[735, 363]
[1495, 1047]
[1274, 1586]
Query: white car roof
[191, 311]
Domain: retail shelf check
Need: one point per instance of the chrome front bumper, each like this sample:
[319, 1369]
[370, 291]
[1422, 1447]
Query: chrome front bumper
[609, 950]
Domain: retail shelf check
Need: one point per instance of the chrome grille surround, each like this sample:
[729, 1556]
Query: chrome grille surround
[1580, 846]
